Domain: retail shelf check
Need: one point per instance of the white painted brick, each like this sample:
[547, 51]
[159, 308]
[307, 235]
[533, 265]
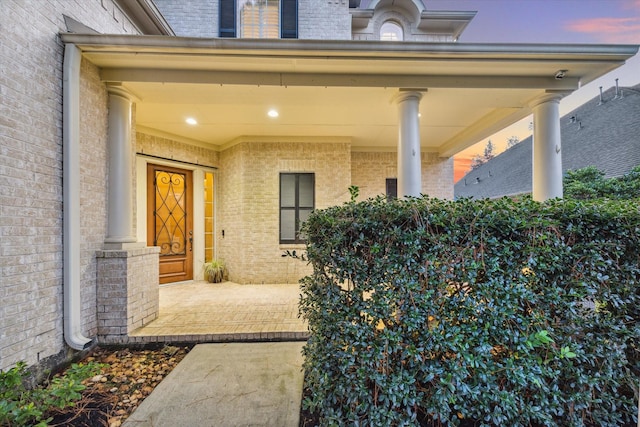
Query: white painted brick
[31, 171]
[324, 19]
[191, 18]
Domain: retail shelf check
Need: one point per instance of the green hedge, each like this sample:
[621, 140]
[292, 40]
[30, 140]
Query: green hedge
[504, 312]
[589, 183]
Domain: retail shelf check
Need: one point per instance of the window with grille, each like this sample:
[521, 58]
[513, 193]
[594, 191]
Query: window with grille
[297, 200]
[391, 31]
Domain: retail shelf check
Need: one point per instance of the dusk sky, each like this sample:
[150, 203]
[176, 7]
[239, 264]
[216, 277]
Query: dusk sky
[550, 21]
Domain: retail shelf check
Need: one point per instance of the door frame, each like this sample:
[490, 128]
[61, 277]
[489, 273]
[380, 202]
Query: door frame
[182, 262]
[198, 206]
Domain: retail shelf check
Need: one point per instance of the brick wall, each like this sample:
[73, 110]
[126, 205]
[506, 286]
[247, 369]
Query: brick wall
[324, 19]
[31, 57]
[172, 149]
[249, 203]
[191, 18]
[369, 171]
[231, 207]
[437, 176]
[317, 19]
[93, 186]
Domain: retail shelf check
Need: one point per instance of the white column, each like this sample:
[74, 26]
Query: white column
[547, 155]
[120, 200]
[409, 160]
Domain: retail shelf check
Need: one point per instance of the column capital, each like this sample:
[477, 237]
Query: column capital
[548, 96]
[118, 90]
[407, 94]
[547, 147]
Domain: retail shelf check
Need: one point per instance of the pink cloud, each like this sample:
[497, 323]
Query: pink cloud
[632, 4]
[610, 30]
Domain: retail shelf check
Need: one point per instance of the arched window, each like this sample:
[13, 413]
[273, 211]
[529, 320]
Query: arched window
[391, 31]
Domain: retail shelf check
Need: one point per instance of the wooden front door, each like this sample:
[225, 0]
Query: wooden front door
[170, 220]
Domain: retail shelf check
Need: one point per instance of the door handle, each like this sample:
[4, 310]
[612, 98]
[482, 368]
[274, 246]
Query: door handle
[190, 241]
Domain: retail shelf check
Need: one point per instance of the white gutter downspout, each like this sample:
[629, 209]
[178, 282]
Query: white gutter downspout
[71, 198]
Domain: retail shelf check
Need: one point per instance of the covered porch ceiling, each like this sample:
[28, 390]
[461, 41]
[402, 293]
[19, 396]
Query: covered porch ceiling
[338, 89]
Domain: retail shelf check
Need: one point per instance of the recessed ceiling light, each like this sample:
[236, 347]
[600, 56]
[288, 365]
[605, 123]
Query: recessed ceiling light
[191, 121]
[273, 113]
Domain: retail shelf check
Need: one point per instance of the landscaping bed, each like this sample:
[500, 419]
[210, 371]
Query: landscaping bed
[126, 379]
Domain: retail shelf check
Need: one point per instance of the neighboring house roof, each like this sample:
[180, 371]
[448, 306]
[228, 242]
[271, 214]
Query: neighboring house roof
[601, 134]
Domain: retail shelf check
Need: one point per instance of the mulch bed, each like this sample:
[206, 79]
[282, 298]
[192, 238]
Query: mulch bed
[112, 395]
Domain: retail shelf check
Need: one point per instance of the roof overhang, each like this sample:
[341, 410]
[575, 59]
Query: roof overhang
[337, 88]
[451, 23]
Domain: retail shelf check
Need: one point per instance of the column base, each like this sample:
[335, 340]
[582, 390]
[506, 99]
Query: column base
[123, 246]
[128, 295]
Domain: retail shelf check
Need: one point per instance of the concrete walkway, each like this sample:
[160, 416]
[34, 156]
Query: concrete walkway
[228, 385]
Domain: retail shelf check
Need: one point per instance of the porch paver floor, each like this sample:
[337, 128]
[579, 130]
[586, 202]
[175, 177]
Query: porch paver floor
[213, 312]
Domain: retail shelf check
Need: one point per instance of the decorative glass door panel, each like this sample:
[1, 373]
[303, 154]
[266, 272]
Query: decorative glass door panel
[170, 222]
[209, 218]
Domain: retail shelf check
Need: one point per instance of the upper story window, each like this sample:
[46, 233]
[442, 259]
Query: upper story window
[391, 31]
[258, 18]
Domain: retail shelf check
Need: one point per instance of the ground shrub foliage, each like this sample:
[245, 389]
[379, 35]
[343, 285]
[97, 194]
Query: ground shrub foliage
[103, 390]
[503, 312]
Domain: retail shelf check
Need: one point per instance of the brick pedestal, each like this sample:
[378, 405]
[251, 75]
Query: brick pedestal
[128, 294]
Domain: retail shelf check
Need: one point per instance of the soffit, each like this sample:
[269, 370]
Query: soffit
[337, 88]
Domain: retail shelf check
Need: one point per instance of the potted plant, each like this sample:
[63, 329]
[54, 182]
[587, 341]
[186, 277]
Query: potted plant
[215, 271]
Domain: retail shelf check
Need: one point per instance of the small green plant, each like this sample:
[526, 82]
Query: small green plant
[294, 254]
[20, 406]
[566, 353]
[354, 191]
[539, 339]
[215, 271]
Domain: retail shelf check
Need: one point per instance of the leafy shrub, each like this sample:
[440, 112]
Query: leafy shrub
[590, 183]
[504, 312]
[20, 406]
